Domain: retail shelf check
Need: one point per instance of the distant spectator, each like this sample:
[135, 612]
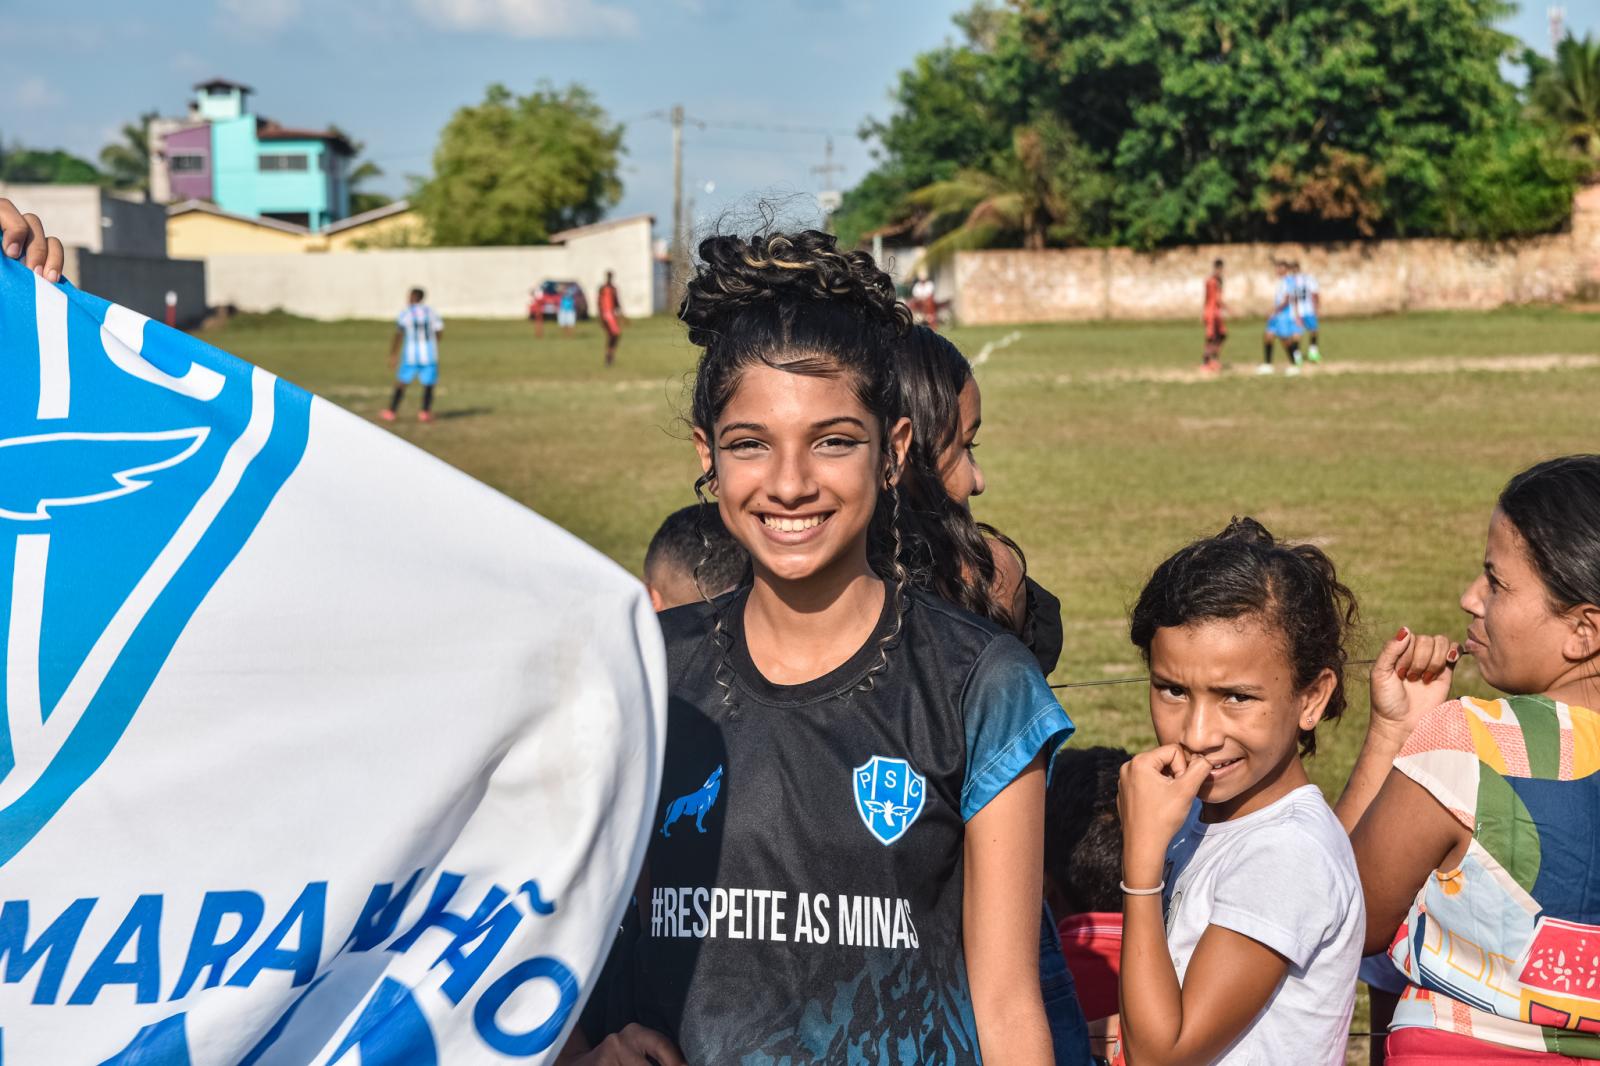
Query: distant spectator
[610, 317]
[1082, 872]
[692, 557]
[536, 310]
[567, 315]
[924, 302]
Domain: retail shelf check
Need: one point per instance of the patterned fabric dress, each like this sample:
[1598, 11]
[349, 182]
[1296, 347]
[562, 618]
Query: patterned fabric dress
[1506, 948]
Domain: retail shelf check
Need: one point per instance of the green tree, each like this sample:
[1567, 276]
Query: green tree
[41, 166]
[515, 169]
[127, 162]
[1225, 120]
[1567, 92]
[945, 120]
[1045, 189]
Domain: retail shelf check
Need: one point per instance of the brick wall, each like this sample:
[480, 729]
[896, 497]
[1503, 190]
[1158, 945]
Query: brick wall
[1367, 277]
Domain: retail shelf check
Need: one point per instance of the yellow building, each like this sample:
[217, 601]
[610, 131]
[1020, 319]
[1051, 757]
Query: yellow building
[197, 229]
[390, 226]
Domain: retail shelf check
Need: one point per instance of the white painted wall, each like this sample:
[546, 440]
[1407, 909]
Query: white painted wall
[85, 216]
[471, 282]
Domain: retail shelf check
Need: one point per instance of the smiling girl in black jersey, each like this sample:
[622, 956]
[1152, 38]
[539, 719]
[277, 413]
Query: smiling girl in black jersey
[847, 858]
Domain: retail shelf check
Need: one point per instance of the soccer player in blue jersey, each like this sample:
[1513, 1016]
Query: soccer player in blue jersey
[1283, 324]
[414, 355]
[1308, 302]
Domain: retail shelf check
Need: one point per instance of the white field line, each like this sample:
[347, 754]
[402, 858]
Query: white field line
[1491, 364]
[994, 346]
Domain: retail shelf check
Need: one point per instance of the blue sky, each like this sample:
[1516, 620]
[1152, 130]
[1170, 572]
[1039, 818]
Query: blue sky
[390, 72]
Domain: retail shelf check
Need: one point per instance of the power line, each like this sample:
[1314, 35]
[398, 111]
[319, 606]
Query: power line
[1146, 679]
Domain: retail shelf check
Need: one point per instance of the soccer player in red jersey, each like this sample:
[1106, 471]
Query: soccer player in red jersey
[1216, 329]
[610, 318]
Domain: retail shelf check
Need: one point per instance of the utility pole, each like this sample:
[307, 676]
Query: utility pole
[829, 198]
[675, 278]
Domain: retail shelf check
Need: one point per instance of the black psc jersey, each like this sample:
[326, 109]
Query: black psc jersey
[802, 894]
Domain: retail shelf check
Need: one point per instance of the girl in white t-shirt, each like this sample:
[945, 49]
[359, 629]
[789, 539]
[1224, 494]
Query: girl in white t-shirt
[1243, 920]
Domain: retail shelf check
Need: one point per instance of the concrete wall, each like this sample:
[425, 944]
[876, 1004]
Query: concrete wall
[475, 282]
[140, 283]
[1369, 277]
[88, 217]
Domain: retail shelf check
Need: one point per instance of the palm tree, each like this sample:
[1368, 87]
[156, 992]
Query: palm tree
[1040, 191]
[127, 162]
[1567, 92]
[360, 173]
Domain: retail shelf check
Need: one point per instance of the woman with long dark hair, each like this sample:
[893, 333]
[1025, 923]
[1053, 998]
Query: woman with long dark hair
[848, 857]
[949, 552]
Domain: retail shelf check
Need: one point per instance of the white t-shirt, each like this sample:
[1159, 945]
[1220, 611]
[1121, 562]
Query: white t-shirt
[1285, 877]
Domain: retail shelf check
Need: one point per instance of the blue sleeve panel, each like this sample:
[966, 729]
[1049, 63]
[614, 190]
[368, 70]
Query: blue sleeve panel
[1011, 716]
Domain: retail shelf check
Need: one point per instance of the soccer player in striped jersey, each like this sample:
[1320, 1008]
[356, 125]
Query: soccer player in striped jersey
[414, 355]
[1308, 301]
[1284, 323]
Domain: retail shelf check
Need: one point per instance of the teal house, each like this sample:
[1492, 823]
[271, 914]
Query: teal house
[250, 165]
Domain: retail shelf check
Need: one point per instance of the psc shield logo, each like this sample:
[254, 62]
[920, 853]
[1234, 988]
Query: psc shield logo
[134, 464]
[889, 796]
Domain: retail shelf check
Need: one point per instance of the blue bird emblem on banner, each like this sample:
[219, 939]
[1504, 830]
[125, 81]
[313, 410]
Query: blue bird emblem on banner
[889, 796]
[135, 462]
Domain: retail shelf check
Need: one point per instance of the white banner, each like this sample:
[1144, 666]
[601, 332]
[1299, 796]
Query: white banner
[314, 750]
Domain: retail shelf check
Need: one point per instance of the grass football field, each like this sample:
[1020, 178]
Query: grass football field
[1103, 448]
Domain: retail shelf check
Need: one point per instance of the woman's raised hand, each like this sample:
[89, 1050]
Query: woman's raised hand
[1411, 676]
[22, 237]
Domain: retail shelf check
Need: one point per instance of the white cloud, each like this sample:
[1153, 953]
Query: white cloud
[267, 16]
[34, 94]
[530, 18]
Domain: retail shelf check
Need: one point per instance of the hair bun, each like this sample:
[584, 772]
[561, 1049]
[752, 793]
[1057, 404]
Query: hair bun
[783, 269]
[1248, 531]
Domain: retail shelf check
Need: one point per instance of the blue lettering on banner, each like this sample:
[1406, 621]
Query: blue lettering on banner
[307, 911]
[142, 929]
[540, 1036]
[391, 1031]
[391, 1027]
[54, 945]
[205, 951]
[381, 915]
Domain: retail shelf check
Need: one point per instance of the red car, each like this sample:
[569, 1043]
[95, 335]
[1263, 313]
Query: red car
[548, 298]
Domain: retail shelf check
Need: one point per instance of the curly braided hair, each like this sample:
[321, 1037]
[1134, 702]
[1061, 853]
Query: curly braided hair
[797, 303]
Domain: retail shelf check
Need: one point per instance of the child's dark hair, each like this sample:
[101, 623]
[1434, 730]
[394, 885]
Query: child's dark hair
[795, 302]
[1243, 571]
[1082, 832]
[694, 541]
[1554, 505]
[948, 552]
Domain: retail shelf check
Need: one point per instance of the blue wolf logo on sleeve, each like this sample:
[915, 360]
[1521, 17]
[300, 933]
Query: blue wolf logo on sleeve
[134, 464]
[696, 803]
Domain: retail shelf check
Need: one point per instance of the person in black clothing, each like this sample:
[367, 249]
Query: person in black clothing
[812, 891]
[969, 563]
[975, 565]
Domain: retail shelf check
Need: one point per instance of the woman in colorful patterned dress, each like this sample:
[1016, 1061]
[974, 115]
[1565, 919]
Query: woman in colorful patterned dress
[1479, 853]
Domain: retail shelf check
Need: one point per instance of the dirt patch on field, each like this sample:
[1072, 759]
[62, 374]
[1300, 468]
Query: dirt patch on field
[1444, 364]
